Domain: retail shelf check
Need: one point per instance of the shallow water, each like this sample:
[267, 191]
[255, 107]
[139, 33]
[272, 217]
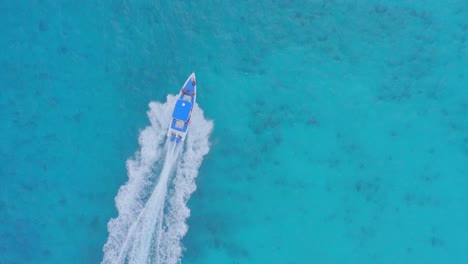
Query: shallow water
[340, 128]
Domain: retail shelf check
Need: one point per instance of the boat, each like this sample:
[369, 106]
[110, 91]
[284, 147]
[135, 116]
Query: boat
[183, 110]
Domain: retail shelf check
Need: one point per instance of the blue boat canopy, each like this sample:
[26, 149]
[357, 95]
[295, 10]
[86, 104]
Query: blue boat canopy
[182, 110]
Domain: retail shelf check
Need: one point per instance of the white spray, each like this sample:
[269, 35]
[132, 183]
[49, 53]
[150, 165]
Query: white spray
[151, 222]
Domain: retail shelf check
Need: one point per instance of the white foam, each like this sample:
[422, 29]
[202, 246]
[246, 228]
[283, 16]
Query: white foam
[175, 227]
[149, 230]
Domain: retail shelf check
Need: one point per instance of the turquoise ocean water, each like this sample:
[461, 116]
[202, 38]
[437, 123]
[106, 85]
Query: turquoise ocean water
[337, 130]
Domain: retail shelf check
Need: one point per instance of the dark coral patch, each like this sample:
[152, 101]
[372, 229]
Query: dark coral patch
[46, 252]
[380, 9]
[62, 201]
[63, 50]
[436, 242]
[369, 188]
[312, 122]
[43, 26]
[94, 224]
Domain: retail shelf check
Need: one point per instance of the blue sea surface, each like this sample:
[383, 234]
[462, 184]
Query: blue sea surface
[340, 127]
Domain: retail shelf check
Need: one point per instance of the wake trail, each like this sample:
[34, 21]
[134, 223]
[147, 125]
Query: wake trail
[151, 215]
[151, 220]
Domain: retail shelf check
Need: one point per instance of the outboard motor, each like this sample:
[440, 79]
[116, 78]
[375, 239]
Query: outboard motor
[172, 137]
[178, 139]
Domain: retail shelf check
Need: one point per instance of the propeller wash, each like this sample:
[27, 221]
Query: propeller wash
[152, 204]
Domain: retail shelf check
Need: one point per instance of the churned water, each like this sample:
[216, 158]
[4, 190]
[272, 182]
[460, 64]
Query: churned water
[325, 132]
